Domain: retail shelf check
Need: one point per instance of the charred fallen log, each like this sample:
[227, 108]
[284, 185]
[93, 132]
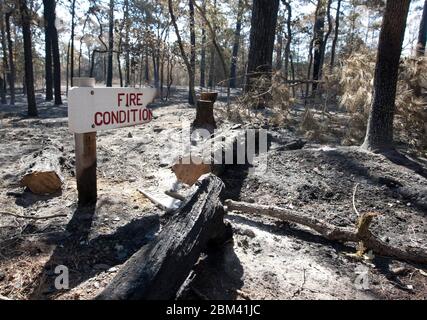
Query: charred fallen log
[158, 270]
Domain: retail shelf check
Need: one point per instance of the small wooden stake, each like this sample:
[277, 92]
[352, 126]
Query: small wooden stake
[85, 149]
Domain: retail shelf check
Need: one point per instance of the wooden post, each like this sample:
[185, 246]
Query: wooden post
[85, 149]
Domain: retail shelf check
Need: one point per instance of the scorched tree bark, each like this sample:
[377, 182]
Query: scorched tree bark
[263, 29]
[379, 135]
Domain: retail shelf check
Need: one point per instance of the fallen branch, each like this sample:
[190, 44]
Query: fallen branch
[30, 217]
[331, 232]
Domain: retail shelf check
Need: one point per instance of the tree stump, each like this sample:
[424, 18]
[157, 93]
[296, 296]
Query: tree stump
[44, 174]
[158, 269]
[209, 96]
[204, 115]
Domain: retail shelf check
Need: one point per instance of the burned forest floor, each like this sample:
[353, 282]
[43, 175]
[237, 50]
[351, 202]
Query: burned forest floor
[267, 259]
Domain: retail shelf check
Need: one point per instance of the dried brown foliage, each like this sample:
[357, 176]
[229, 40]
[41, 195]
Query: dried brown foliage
[268, 100]
[355, 79]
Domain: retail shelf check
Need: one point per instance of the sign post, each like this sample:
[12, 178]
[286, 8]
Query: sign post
[85, 149]
[92, 109]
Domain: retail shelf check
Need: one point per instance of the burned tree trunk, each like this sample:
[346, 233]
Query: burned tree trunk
[203, 53]
[56, 63]
[187, 61]
[192, 53]
[263, 29]
[110, 44]
[127, 51]
[422, 35]
[2, 91]
[48, 52]
[73, 25]
[289, 37]
[158, 269]
[379, 135]
[5, 57]
[50, 14]
[28, 57]
[11, 75]
[233, 69]
[336, 33]
[318, 42]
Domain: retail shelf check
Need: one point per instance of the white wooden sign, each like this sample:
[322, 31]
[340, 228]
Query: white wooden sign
[95, 109]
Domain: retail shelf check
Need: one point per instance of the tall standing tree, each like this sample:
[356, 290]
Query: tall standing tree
[73, 27]
[12, 71]
[235, 54]
[262, 34]
[110, 44]
[203, 53]
[50, 8]
[28, 58]
[192, 51]
[379, 135]
[288, 37]
[422, 35]
[48, 53]
[325, 40]
[127, 45]
[336, 34]
[212, 52]
[318, 41]
[4, 51]
[184, 56]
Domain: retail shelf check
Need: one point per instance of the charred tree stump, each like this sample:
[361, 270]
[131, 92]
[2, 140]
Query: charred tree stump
[204, 115]
[158, 270]
[209, 96]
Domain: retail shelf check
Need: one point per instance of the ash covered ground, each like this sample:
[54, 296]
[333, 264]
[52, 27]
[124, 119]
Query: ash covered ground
[267, 259]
